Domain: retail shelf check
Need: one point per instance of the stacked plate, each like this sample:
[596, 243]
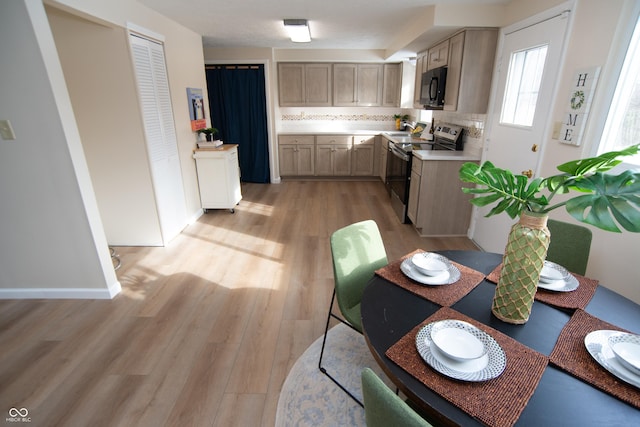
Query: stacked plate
[617, 352]
[430, 268]
[555, 277]
[459, 350]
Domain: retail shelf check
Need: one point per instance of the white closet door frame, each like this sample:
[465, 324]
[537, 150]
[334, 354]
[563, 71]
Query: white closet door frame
[161, 142]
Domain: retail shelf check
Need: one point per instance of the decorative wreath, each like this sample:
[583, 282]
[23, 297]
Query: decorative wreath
[577, 100]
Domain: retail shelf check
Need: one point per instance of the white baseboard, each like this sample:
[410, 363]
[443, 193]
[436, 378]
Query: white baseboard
[61, 293]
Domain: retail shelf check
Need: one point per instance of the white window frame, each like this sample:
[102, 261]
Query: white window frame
[619, 70]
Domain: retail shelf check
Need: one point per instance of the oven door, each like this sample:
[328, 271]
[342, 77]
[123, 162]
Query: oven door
[398, 174]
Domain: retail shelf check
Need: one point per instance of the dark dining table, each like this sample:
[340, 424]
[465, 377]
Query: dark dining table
[390, 313]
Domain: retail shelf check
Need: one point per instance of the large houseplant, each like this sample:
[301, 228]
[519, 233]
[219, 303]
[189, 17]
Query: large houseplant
[602, 201]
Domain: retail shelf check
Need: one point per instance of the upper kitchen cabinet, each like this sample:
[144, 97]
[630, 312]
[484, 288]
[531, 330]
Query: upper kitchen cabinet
[438, 55]
[421, 67]
[470, 67]
[358, 85]
[302, 85]
[392, 86]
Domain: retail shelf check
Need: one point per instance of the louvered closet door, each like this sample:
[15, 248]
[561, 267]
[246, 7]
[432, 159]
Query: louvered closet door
[162, 147]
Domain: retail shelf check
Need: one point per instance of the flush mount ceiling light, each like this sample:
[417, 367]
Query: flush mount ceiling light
[298, 30]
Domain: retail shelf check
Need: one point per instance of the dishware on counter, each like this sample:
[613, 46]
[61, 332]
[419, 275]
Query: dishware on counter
[597, 344]
[458, 340]
[488, 366]
[626, 347]
[429, 263]
[446, 277]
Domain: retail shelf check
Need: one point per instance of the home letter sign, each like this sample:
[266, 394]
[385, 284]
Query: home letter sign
[577, 111]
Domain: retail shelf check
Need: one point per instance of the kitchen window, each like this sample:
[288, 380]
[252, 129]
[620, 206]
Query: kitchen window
[622, 127]
[523, 84]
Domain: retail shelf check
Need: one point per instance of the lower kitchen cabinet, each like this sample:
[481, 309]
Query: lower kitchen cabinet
[333, 155]
[414, 191]
[296, 155]
[363, 155]
[336, 155]
[382, 153]
[218, 177]
[437, 205]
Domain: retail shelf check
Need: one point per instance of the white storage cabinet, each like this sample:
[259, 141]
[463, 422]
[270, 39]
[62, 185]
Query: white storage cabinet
[218, 177]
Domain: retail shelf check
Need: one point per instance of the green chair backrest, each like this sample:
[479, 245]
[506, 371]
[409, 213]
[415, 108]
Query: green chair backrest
[357, 251]
[570, 245]
[383, 408]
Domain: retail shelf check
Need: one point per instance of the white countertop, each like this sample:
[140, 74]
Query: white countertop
[346, 132]
[445, 155]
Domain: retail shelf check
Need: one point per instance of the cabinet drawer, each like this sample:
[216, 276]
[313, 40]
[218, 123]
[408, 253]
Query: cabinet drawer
[334, 139]
[364, 139]
[416, 166]
[296, 139]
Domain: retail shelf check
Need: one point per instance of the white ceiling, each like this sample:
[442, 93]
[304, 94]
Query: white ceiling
[391, 25]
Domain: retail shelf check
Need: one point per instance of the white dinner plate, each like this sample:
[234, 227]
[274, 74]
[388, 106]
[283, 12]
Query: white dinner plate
[487, 367]
[597, 344]
[563, 285]
[450, 275]
[626, 347]
[457, 340]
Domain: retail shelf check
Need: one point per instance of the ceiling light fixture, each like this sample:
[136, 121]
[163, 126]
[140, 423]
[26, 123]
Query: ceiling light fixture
[298, 30]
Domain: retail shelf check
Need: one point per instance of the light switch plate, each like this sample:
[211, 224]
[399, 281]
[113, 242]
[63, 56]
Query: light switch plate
[6, 131]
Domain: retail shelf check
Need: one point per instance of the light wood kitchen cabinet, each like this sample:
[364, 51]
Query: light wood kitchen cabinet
[438, 55]
[382, 165]
[296, 155]
[306, 84]
[363, 155]
[470, 68]
[333, 155]
[392, 85]
[421, 67]
[414, 191]
[437, 205]
[357, 85]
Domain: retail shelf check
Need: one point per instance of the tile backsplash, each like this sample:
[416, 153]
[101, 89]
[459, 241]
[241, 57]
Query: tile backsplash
[344, 119]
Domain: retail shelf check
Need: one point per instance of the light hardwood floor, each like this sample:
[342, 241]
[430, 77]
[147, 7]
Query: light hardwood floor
[205, 329]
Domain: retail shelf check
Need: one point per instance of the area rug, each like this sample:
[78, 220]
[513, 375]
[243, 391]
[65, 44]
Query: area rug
[309, 398]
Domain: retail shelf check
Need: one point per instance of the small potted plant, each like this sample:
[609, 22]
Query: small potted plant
[399, 118]
[603, 199]
[208, 133]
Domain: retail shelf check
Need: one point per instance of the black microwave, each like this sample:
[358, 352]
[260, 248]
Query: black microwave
[432, 90]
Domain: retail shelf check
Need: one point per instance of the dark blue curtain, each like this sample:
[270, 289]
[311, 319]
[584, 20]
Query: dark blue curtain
[238, 109]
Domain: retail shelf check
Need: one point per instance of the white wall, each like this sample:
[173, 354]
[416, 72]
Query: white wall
[52, 241]
[184, 58]
[97, 68]
[592, 42]
[51, 234]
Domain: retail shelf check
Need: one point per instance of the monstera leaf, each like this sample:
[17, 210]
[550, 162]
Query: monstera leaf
[514, 193]
[605, 200]
[611, 196]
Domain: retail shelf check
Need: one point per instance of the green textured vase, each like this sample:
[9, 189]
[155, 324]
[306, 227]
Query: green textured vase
[521, 265]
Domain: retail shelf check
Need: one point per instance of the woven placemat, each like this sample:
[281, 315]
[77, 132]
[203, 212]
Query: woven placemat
[497, 402]
[574, 299]
[571, 355]
[444, 295]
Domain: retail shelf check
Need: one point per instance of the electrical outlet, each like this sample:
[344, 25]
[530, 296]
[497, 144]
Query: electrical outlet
[6, 131]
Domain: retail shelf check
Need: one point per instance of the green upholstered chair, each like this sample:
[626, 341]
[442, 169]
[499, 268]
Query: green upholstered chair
[357, 251]
[383, 408]
[570, 245]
